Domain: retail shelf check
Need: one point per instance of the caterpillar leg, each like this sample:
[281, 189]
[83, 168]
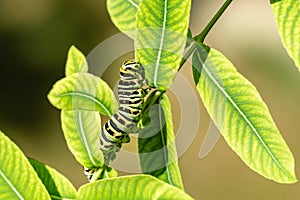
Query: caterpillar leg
[88, 172]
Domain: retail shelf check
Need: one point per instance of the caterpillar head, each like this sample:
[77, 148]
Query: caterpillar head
[130, 68]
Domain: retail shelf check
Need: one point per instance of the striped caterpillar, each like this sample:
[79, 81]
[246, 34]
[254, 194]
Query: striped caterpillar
[131, 97]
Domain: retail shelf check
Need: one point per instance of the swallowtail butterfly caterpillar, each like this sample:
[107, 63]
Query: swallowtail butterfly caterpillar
[131, 97]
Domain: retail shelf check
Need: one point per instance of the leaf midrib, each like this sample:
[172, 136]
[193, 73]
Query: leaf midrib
[83, 136]
[161, 43]
[88, 97]
[160, 113]
[242, 114]
[133, 3]
[11, 185]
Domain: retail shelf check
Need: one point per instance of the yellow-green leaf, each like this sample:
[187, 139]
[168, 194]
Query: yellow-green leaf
[76, 62]
[82, 131]
[58, 186]
[242, 117]
[83, 91]
[18, 179]
[287, 15]
[134, 187]
[123, 14]
[162, 27]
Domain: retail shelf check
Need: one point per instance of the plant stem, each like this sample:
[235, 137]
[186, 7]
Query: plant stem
[97, 174]
[153, 97]
[200, 38]
[187, 54]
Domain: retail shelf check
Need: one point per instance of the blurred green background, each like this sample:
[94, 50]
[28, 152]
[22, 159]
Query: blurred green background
[36, 34]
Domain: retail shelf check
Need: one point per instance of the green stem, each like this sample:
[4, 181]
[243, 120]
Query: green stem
[200, 38]
[97, 174]
[152, 99]
[187, 55]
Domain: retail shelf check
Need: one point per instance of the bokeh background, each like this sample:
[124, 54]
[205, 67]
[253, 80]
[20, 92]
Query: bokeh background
[36, 34]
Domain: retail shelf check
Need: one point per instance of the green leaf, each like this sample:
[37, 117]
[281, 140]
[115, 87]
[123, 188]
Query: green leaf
[287, 15]
[123, 14]
[156, 143]
[76, 62]
[58, 186]
[242, 117]
[83, 91]
[131, 187]
[18, 179]
[162, 27]
[82, 131]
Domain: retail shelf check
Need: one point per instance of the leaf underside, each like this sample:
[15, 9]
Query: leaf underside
[242, 117]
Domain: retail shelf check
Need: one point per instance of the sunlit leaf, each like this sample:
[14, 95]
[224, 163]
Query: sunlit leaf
[76, 62]
[83, 91]
[58, 186]
[287, 15]
[123, 14]
[242, 117]
[18, 179]
[162, 27]
[156, 144]
[131, 187]
[82, 130]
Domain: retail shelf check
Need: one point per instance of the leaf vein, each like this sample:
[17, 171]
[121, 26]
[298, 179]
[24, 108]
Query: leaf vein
[11, 185]
[242, 114]
[88, 97]
[83, 136]
[161, 43]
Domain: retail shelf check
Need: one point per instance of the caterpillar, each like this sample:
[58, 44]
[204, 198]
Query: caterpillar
[89, 173]
[131, 97]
